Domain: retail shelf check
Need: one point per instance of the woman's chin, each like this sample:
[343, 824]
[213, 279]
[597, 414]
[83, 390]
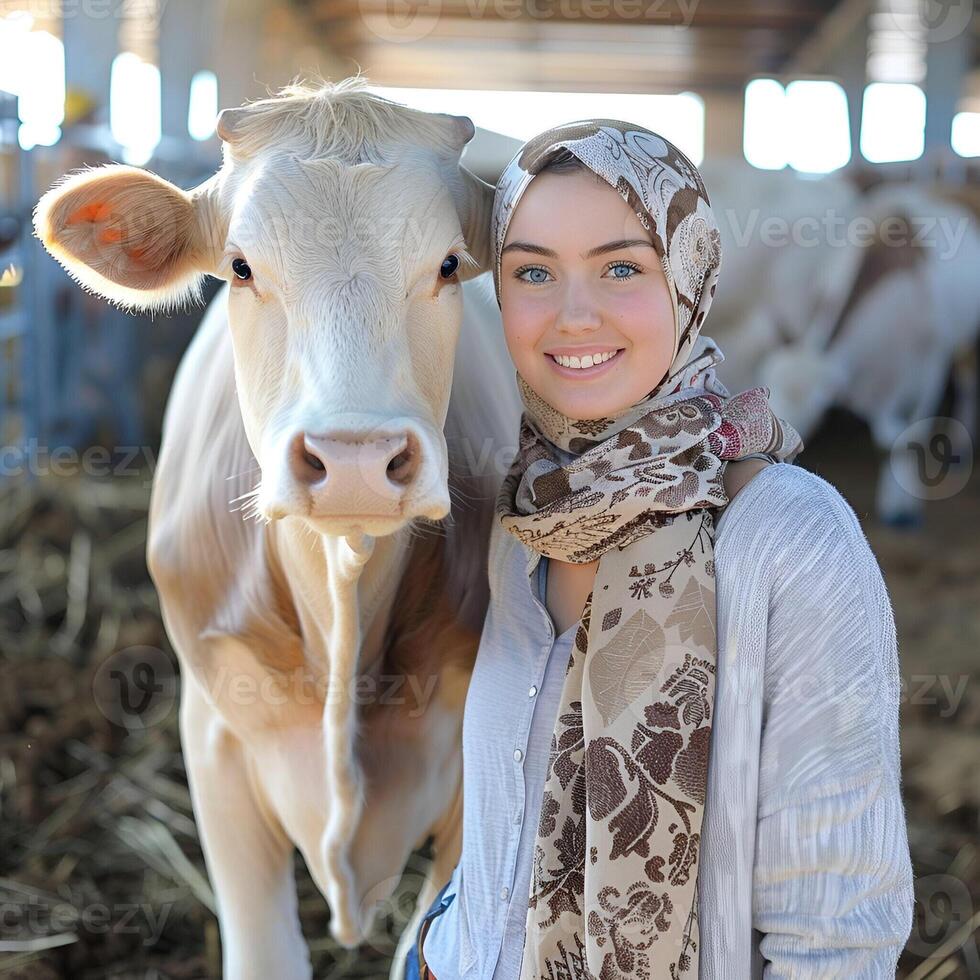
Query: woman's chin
[585, 405]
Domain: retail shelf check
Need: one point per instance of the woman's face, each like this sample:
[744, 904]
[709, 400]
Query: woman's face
[585, 304]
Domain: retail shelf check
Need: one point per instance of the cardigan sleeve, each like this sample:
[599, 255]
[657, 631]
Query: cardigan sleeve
[832, 884]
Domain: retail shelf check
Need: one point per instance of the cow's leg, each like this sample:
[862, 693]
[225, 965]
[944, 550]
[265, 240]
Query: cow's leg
[900, 493]
[249, 857]
[964, 400]
[447, 845]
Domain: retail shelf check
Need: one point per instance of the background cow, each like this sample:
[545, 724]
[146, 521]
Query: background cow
[863, 301]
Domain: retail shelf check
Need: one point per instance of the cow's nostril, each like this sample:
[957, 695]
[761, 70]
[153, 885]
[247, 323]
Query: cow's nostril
[313, 462]
[403, 465]
[307, 463]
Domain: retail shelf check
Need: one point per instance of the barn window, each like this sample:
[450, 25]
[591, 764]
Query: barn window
[893, 122]
[134, 107]
[966, 134]
[32, 67]
[804, 125]
[202, 110]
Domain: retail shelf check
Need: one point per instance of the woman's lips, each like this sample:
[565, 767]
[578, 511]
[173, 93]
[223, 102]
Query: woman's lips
[581, 374]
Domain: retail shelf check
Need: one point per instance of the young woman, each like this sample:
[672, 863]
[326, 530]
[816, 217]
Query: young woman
[680, 738]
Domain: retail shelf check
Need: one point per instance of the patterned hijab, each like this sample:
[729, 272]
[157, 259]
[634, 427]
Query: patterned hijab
[614, 882]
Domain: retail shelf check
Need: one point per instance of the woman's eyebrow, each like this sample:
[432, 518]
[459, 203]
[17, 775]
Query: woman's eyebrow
[616, 246]
[591, 253]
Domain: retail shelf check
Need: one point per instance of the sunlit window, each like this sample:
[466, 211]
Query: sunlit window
[966, 134]
[763, 134]
[893, 122]
[521, 115]
[32, 67]
[134, 107]
[819, 127]
[804, 125]
[203, 109]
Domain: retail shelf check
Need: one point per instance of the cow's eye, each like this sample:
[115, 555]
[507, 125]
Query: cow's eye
[241, 269]
[449, 266]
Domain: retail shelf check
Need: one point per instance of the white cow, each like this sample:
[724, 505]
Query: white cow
[326, 644]
[780, 252]
[903, 314]
[814, 303]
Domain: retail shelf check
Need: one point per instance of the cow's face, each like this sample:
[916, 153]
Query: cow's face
[344, 263]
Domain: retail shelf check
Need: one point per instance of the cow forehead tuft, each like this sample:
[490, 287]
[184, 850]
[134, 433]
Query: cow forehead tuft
[343, 121]
[301, 206]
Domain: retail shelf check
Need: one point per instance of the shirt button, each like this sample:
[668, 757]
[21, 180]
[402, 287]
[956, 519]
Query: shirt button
[518, 755]
[504, 894]
[517, 818]
[532, 690]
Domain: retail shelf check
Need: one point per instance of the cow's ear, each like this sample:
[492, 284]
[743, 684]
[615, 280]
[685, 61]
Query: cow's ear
[127, 234]
[475, 206]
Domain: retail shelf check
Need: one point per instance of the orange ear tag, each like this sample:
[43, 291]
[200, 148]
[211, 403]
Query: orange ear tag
[97, 211]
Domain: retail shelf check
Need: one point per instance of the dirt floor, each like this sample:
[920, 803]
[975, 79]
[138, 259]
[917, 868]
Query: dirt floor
[101, 874]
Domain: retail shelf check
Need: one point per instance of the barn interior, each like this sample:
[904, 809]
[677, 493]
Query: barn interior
[812, 120]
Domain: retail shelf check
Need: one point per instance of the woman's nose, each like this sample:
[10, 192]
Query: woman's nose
[577, 313]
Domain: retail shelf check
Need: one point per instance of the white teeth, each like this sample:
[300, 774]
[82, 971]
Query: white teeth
[590, 360]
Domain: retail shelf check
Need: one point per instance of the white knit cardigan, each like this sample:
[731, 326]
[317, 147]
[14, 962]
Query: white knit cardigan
[805, 871]
[806, 827]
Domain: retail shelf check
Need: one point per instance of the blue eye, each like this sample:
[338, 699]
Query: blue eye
[623, 265]
[538, 275]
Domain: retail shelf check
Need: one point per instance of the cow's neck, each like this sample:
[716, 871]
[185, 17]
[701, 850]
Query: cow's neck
[324, 576]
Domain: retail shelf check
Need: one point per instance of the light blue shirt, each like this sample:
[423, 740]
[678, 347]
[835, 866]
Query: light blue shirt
[506, 739]
[804, 859]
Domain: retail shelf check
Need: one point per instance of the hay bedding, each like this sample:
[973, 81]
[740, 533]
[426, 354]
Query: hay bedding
[101, 872]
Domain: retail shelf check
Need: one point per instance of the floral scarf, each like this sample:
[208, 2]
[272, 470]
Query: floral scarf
[615, 871]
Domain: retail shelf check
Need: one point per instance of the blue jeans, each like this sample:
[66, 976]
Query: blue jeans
[438, 906]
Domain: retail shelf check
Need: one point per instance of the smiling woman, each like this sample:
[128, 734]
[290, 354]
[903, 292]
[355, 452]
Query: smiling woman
[646, 791]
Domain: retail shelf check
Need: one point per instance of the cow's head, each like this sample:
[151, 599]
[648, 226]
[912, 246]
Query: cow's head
[343, 224]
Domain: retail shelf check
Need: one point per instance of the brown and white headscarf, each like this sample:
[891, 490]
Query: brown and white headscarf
[614, 883]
